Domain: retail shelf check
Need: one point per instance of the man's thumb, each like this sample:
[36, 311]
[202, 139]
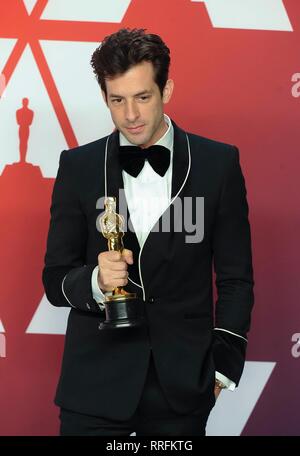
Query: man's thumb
[128, 256]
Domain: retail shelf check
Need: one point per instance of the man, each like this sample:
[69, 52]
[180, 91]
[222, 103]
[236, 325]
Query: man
[161, 378]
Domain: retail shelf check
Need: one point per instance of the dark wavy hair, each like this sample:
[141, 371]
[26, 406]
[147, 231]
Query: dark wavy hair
[122, 50]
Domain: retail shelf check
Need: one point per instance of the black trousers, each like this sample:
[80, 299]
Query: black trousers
[153, 416]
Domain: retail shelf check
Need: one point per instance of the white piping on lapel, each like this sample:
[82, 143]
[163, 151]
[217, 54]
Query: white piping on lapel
[105, 176]
[188, 171]
[137, 284]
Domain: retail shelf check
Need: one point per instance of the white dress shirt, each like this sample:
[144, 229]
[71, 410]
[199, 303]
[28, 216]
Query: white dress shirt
[147, 196]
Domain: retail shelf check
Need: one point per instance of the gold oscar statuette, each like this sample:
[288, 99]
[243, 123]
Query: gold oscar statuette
[122, 309]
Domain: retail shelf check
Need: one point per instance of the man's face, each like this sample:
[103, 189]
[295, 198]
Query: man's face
[136, 104]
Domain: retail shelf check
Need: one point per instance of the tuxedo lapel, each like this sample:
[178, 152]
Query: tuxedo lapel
[180, 170]
[159, 242]
[181, 160]
[113, 171]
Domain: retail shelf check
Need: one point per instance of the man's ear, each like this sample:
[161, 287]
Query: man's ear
[168, 90]
[104, 95]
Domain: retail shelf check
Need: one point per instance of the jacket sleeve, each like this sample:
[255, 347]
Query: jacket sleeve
[66, 276]
[234, 273]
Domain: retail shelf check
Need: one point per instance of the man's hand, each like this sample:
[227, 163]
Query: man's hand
[113, 269]
[218, 387]
[217, 391]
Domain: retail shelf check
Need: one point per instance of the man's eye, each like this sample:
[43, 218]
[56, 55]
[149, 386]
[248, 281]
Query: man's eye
[144, 98]
[117, 100]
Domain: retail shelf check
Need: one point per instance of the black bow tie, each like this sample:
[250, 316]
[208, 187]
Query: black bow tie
[132, 159]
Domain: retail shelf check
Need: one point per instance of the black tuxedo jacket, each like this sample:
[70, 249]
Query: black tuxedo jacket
[103, 372]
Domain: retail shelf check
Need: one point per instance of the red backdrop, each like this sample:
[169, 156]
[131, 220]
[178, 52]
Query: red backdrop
[236, 80]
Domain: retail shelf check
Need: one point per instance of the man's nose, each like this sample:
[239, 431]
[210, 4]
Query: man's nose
[132, 112]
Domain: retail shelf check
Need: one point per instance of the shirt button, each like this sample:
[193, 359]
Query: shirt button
[151, 299]
[88, 306]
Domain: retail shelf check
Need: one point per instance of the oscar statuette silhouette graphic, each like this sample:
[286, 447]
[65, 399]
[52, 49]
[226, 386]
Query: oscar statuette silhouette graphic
[24, 117]
[122, 309]
[24, 208]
